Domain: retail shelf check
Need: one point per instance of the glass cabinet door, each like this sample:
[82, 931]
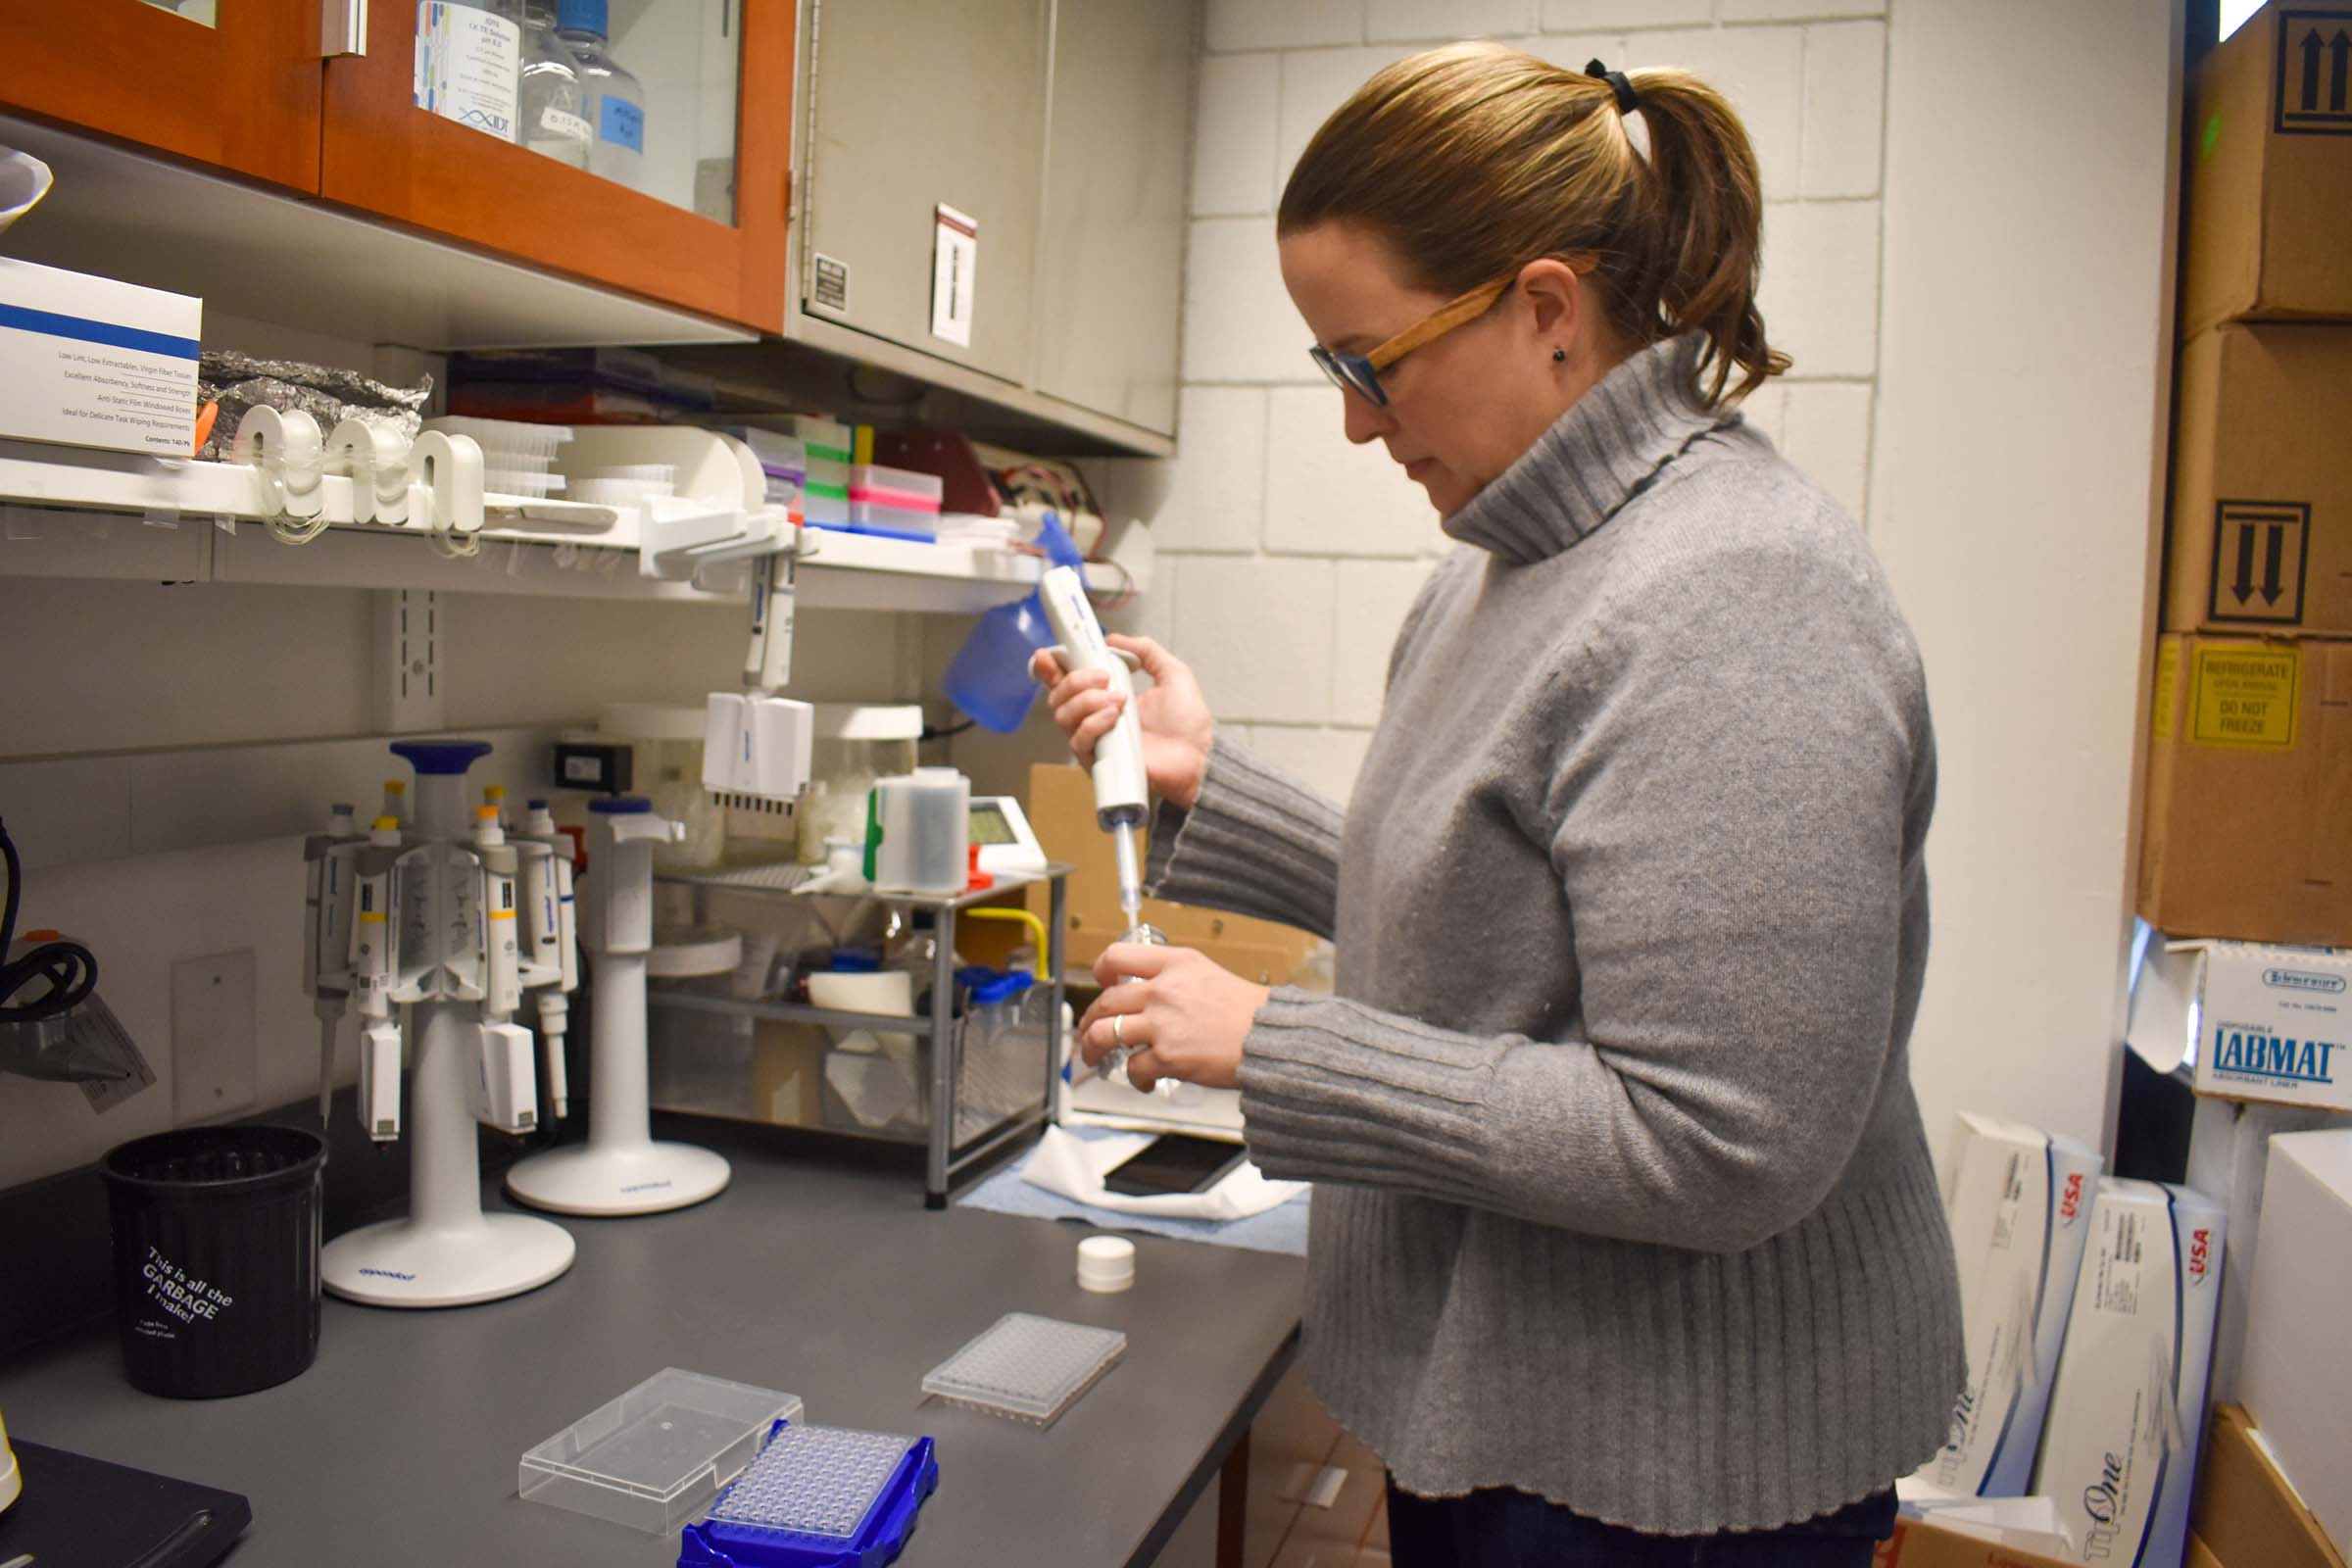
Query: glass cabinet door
[234, 86]
[638, 92]
[608, 138]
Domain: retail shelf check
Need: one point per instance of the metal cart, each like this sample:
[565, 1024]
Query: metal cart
[946, 1157]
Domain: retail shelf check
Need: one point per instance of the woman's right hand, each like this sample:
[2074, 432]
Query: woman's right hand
[1173, 715]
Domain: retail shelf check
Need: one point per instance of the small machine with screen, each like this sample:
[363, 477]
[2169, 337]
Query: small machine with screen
[1001, 833]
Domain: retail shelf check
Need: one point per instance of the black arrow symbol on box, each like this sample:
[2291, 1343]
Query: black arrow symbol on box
[2243, 587]
[2273, 548]
[2339, 59]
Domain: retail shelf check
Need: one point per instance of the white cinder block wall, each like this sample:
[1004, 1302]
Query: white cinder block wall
[1286, 557]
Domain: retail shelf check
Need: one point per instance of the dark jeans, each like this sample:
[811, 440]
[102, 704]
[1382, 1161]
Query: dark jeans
[1500, 1528]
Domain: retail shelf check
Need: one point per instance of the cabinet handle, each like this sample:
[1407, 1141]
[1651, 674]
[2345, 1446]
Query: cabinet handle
[342, 27]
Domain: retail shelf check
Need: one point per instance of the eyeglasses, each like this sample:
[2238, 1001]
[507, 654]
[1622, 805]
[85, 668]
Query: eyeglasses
[1361, 372]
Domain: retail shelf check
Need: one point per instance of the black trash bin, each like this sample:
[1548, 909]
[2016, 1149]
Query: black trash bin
[216, 1256]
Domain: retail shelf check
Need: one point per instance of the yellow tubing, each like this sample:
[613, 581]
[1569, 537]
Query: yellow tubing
[1037, 929]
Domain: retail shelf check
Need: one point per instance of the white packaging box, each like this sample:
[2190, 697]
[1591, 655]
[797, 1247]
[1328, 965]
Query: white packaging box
[2260, 1022]
[2297, 1381]
[2229, 1151]
[2019, 1210]
[2127, 1411]
[93, 363]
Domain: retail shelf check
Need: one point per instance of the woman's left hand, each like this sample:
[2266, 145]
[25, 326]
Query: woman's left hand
[1187, 1015]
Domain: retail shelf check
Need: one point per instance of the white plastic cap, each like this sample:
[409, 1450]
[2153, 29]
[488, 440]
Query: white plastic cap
[1106, 1265]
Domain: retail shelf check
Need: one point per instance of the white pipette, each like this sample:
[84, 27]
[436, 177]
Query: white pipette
[1121, 793]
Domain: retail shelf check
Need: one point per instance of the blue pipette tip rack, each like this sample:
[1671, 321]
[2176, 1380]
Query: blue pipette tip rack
[818, 1497]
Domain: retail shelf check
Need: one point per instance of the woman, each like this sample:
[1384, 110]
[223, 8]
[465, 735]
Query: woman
[1626, 1244]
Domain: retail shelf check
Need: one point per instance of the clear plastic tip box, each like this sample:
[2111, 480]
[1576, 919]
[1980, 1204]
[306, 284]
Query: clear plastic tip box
[818, 1497]
[655, 1457]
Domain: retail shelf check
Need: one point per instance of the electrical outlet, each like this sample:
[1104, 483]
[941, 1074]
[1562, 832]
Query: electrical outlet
[215, 1040]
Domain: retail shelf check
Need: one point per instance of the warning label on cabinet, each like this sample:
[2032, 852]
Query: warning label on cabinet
[2245, 697]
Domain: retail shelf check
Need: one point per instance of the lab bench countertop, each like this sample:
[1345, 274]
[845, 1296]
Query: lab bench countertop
[825, 1280]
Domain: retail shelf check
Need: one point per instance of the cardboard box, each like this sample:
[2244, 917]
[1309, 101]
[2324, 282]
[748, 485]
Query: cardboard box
[2267, 1023]
[1061, 811]
[93, 363]
[2229, 1150]
[2127, 1411]
[788, 1074]
[2019, 1211]
[2269, 223]
[2297, 1379]
[2246, 835]
[2246, 1513]
[2200, 1555]
[1925, 1543]
[2262, 496]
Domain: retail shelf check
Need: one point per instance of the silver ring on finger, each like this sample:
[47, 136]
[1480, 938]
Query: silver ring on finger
[1118, 1034]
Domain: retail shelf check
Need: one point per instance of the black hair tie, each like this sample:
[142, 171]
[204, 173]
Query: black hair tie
[1627, 99]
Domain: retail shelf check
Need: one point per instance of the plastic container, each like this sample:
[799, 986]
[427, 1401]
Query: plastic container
[656, 1456]
[856, 743]
[990, 679]
[1106, 1265]
[519, 444]
[1026, 1368]
[899, 522]
[919, 833]
[818, 1497]
[901, 488]
[532, 483]
[611, 98]
[216, 1258]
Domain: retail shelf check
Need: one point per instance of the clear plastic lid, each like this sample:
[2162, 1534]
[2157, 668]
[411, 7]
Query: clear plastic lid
[655, 1457]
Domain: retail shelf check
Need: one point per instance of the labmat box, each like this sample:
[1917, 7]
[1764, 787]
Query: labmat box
[88, 361]
[2120, 1448]
[2020, 1210]
[2263, 1022]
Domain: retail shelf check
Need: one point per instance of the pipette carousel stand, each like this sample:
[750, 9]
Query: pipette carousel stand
[621, 1169]
[443, 920]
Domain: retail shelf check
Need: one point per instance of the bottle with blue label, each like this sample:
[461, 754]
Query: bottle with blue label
[612, 99]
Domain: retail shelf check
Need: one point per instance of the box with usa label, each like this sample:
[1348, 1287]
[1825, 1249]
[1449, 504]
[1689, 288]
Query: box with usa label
[88, 361]
[2260, 1022]
[2127, 1416]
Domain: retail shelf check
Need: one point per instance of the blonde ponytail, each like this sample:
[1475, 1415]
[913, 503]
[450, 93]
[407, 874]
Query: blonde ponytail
[1474, 158]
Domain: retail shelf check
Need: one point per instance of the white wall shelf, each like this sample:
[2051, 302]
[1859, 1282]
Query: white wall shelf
[117, 515]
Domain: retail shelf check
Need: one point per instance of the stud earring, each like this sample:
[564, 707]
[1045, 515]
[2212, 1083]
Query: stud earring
[1558, 355]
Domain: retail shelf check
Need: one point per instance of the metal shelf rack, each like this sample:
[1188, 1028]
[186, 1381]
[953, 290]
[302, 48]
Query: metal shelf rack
[945, 1158]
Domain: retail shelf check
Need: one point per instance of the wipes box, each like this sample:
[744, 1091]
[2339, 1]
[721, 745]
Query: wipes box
[2297, 1378]
[2261, 1022]
[2127, 1410]
[2019, 1207]
[93, 363]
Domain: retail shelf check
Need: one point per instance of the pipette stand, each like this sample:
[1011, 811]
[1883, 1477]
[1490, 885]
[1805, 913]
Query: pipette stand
[446, 1253]
[621, 1169]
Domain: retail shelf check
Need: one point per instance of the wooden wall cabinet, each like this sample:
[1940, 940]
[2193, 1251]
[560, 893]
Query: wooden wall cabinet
[250, 93]
[240, 93]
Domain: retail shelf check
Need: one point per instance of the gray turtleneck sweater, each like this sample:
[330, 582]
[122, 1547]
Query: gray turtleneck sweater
[1622, 1196]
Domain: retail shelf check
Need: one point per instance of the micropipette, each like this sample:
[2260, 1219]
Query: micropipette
[1121, 793]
